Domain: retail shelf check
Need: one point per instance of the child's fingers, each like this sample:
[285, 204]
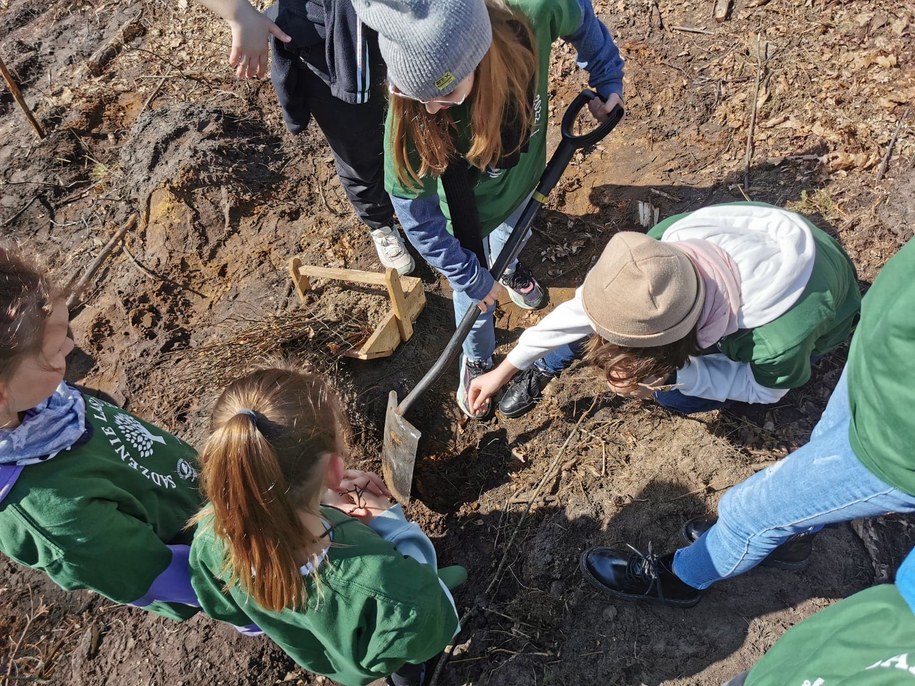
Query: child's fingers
[278, 32]
[234, 55]
[473, 395]
[253, 67]
[376, 484]
[353, 478]
[242, 67]
[354, 474]
[262, 67]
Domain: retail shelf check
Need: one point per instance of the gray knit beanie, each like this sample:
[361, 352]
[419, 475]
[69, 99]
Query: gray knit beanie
[429, 46]
[642, 292]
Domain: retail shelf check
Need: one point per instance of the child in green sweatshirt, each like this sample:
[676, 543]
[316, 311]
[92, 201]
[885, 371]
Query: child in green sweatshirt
[311, 554]
[89, 494]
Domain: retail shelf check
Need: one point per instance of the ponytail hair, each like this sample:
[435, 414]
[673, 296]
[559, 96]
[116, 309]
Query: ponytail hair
[260, 468]
[26, 300]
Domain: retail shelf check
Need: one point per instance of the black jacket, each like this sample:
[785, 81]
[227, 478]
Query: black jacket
[328, 39]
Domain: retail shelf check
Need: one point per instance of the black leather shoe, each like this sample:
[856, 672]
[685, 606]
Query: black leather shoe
[628, 574]
[792, 554]
[523, 392]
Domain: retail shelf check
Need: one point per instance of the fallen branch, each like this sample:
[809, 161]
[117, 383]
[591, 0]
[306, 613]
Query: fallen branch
[16, 214]
[483, 598]
[881, 170]
[17, 96]
[76, 288]
[133, 28]
[691, 29]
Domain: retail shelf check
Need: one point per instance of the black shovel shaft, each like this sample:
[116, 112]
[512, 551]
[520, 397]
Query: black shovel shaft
[554, 169]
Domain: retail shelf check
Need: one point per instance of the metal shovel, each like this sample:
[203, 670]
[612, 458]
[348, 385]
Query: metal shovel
[401, 438]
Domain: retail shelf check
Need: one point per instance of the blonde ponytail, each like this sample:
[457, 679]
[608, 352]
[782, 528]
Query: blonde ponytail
[260, 470]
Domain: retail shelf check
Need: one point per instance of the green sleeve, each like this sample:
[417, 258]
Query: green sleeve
[101, 549]
[209, 587]
[657, 231]
[562, 16]
[865, 640]
[775, 363]
[414, 634]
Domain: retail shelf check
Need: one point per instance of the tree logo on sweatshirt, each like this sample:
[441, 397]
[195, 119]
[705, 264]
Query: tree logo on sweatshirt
[137, 435]
[186, 471]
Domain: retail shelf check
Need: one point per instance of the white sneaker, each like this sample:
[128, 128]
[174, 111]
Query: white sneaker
[391, 250]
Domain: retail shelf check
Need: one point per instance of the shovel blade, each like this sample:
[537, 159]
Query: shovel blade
[398, 457]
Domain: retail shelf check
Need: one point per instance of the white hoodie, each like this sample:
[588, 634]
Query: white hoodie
[774, 251]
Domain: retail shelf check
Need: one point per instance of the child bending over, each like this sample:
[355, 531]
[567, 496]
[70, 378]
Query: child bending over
[727, 303]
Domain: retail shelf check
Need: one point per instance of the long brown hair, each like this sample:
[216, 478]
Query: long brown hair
[259, 472]
[501, 94]
[26, 300]
[627, 367]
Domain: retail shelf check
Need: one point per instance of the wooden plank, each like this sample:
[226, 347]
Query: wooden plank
[416, 301]
[350, 275]
[399, 305]
[299, 280]
[383, 341]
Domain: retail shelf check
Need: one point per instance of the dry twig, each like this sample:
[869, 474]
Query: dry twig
[18, 212]
[77, 287]
[691, 29]
[154, 93]
[17, 96]
[881, 170]
[150, 273]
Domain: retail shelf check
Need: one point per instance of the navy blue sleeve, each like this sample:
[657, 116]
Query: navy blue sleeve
[597, 53]
[425, 227]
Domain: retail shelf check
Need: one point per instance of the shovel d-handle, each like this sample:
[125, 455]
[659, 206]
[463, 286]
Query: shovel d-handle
[568, 144]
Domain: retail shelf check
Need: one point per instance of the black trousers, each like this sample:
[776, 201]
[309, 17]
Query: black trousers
[408, 675]
[355, 134]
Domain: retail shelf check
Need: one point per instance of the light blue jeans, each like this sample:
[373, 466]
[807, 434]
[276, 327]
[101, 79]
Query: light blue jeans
[481, 341]
[562, 357]
[821, 483]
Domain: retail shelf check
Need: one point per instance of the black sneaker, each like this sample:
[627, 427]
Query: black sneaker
[469, 371]
[792, 554]
[630, 575]
[523, 392]
[523, 288]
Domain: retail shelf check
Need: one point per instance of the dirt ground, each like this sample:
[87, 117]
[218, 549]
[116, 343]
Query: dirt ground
[200, 291]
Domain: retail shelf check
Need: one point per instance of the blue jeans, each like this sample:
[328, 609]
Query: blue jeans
[481, 341]
[821, 483]
[676, 401]
[558, 359]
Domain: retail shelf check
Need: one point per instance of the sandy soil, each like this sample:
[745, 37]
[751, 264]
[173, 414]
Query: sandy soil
[200, 292]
